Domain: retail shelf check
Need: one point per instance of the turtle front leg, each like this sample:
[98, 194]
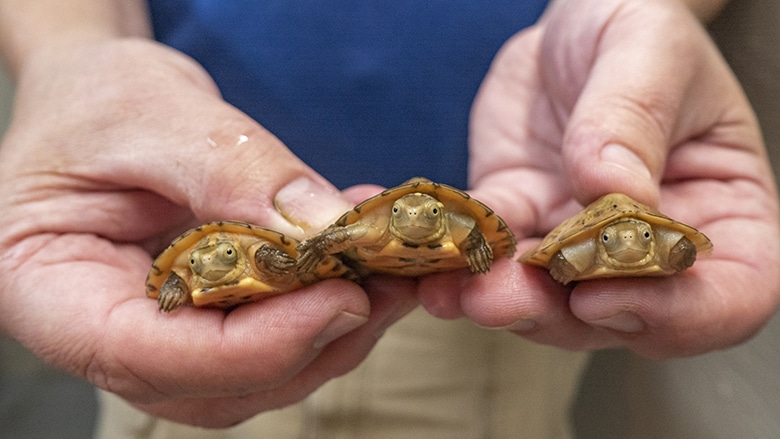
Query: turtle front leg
[682, 255]
[330, 241]
[561, 269]
[274, 263]
[478, 252]
[173, 293]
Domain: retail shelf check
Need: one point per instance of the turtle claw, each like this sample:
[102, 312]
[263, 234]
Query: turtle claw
[173, 293]
[308, 256]
[478, 252]
[683, 254]
[274, 261]
[313, 250]
[480, 259]
[561, 269]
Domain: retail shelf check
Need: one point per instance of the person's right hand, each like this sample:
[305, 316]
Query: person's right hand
[114, 149]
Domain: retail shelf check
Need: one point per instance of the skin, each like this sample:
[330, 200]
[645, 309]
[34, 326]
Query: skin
[627, 242]
[217, 262]
[104, 120]
[705, 10]
[417, 218]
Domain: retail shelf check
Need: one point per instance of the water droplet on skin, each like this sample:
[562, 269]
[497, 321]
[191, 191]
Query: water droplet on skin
[219, 140]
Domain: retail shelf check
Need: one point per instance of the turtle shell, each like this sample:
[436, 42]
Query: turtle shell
[265, 262]
[402, 257]
[580, 240]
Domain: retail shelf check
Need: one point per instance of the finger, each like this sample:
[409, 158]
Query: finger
[440, 294]
[517, 298]
[634, 87]
[362, 192]
[514, 162]
[669, 317]
[391, 299]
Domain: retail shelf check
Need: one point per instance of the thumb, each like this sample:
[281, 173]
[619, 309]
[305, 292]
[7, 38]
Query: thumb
[248, 174]
[623, 80]
[221, 164]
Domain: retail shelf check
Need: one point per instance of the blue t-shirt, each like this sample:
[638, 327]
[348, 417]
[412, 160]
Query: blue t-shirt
[362, 91]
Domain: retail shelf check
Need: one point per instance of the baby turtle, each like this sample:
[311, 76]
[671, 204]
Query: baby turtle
[616, 236]
[416, 228]
[223, 264]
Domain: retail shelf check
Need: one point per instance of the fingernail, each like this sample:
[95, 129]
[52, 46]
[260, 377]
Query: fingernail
[310, 205]
[625, 159]
[523, 325]
[342, 324]
[624, 321]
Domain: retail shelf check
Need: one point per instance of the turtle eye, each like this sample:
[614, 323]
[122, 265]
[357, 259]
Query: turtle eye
[194, 258]
[433, 208]
[646, 232]
[195, 262]
[395, 209]
[227, 253]
[608, 237]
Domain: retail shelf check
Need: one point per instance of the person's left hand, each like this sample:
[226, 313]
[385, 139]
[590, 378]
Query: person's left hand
[117, 146]
[633, 97]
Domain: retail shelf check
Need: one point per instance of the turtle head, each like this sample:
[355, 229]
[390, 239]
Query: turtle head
[626, 243]
[216, 262]
[418, 218]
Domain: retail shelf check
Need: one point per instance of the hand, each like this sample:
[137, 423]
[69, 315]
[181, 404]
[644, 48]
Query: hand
[632, 97]
[114, 149]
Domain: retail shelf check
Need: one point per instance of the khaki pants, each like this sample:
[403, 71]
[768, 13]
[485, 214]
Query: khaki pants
[426, 379]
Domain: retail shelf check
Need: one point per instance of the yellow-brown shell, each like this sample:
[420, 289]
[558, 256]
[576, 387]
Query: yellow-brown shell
[587, 225]
[411, 260]
[252, 285]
